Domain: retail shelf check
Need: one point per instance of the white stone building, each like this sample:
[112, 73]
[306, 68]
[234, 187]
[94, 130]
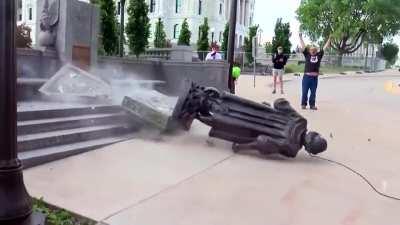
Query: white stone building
[173, 12]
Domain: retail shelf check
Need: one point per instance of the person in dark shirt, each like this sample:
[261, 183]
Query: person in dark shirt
[313, 59]
[279, 60]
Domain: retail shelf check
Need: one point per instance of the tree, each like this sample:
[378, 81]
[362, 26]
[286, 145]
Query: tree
[138, 26]
[23, 36]
[349, 22]
[248, 43]
[202, 42]
[108, 27]
[282, 37]
[159, 35]
[184, 36]
[224, 46]
[390, 52]
[268, 48]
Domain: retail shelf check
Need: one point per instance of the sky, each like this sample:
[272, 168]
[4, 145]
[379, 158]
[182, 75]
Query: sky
[268, 11]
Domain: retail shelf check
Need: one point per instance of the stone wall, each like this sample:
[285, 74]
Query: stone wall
[174, 73]
[37, 64]
[35, 67]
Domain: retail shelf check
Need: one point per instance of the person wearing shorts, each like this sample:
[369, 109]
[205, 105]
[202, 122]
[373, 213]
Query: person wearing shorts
[279, 60]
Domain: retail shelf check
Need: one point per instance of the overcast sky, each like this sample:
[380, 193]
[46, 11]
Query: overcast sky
[268, 11]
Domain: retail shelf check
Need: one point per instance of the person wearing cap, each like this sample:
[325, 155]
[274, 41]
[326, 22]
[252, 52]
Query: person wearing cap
[279, 60]
[313, 59]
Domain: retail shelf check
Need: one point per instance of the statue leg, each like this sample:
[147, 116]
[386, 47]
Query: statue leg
[246, 146]
[263, 144]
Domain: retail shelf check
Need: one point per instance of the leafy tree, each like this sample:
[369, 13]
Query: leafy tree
[23, 36]
[224, 46]
[184, 36]
[282, 37]
[390, 52]
[268, 47]
[108, 27]
[202, 42]
[248, 43]
[138, 26]
[349, 22]
[159, 35]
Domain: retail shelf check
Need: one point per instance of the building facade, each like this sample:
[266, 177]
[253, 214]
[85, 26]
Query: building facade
[26, 14]
[173, 12]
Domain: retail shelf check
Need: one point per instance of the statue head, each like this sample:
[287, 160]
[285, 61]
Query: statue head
[315, 143]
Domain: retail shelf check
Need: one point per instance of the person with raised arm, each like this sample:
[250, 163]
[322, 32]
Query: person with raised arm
[313, 58]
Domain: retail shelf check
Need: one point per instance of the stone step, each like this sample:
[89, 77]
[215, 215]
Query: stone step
[49, 154]
[63, 123]
[48, 139]
[66, 112]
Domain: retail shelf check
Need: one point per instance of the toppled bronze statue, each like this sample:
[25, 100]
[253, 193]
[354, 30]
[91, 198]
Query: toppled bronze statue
[249, 125]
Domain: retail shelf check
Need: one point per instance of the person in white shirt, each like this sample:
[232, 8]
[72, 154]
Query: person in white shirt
[213, 55]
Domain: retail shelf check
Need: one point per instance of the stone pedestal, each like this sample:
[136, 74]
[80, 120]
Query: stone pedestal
[182, 53]
[76, 32]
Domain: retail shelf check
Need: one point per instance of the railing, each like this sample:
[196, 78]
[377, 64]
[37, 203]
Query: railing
[373, 63]
[158, 53]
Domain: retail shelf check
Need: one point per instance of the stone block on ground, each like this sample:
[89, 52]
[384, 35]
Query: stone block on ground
[152, 107]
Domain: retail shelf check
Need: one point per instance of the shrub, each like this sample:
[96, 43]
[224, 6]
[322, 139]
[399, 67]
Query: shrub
[23, 36]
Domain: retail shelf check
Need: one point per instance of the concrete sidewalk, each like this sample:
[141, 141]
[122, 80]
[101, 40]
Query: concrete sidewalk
[182, 180]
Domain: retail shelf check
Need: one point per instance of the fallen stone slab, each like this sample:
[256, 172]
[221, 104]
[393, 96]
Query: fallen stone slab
[70, 81]
[152, 107]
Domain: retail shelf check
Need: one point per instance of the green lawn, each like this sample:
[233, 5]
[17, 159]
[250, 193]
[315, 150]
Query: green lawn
[295, 68]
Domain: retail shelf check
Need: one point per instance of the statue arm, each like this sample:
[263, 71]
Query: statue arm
[283, 105]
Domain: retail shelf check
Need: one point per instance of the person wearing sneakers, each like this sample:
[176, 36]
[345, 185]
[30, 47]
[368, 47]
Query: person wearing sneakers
[279, 60]
[313, 59]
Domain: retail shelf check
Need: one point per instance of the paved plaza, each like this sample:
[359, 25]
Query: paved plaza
[183, 179]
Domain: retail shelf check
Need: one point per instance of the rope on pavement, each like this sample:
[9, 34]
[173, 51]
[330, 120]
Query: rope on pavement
[358, 174]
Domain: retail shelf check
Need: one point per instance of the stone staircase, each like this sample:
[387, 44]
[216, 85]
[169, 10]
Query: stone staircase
[50, 134]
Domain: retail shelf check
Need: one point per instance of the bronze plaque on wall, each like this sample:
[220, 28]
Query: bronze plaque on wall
[81, 56]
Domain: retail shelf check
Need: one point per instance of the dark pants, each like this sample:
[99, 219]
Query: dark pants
[309, 83]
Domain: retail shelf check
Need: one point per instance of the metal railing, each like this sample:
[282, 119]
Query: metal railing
[158, 53]
[264, 60]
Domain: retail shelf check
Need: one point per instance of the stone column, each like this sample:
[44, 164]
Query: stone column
[243, 11]
[227, 9]
[238, 12]
[246, 13]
